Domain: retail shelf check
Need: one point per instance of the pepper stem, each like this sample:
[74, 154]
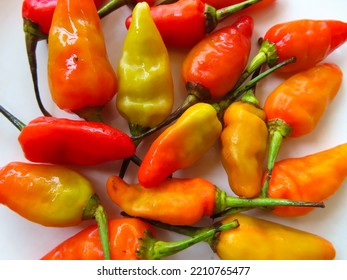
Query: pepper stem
[278, 129]
[112, 6]
[95, 210]
[90, 113]
[225, 205]
[214, 16]
[154, 249]
[196, 93]
[33, 35]
[16, 122]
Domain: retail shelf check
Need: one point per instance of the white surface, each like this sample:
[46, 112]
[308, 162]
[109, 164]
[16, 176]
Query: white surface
[21, 239]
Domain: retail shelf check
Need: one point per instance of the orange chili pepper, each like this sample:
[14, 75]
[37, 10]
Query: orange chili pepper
[131, 239]
[294, 108]
[183, 201]
[258, 239]
[315, 177]
[80, 76]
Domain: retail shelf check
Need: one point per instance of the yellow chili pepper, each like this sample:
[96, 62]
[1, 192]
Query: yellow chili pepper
[145, 95]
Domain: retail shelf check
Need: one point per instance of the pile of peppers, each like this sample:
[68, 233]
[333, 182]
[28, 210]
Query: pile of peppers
[223, 118]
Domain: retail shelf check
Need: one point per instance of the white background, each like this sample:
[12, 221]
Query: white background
[21, 239]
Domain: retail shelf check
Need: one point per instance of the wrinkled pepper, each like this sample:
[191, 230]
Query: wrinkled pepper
[243, 156]
[226, 51]
[65, 141]
[259, 239]
[37, 19]
[53, 196]
[184, 23]
[181, 144]
[295, 107]
[315, 177]
[81, 78]
[285, 40]
[131, 239]
[184, 201]
[145, 94]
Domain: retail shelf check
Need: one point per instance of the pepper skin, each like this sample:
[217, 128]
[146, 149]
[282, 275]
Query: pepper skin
[285, 40]
[80, 75]
[146, 91]
[243, 156]
[186, 22]
[294, 108]
[258, 239]
[315, 177]
[183, 201]
[177, 147]
[51, 195]
[131, 239]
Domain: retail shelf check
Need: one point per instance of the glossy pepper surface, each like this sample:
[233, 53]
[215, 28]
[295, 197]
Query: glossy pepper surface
[177, 147]
[131, 239]
[80, 75]
[51, 195]
[259, 239]
[315, 177]
[184, 23]
[183, 201]
[243, 156]
[285, 40]
[295, 107]
[145, 95]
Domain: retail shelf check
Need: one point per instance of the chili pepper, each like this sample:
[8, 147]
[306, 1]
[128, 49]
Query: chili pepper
[53, 196]
[184, 23]
[131, 239]
[183, 201]
[37, 18]
[286, 39]
[259, 239]
[294, 108]
[315, 177]
[177, 148]
[80, 76]
[65, 141]
[243, 157]
[145, 95]
[226, 51]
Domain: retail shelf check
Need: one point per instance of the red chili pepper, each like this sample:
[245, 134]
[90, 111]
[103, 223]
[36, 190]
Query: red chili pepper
[130, 239]
[186, 22]
[64, 141]
[310, 41]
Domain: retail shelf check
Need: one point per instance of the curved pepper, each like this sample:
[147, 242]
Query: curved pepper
[226, 51]
[131, 239]
[243, 156]
[145, 95]
[184, 201]
[177, 147]
[184, 23]
[258, 239]
[52, 195]
[285, 40]
[80, 76]
[65, 141]
[315, 177]
[294, 108]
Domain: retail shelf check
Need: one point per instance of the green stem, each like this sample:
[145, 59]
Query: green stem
[90, 113]
[196, 93]
[112, 6]
[126, 161]
[234, 94]
[278, 130]
[154, 249]
[229, 204]
[33, 35]
[214, 16]
[16, 122]
[95, 210]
